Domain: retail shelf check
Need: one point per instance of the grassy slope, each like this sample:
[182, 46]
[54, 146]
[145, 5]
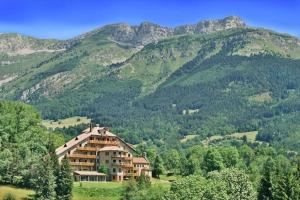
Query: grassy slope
[87, 190]
[67, 122]
[20, 194]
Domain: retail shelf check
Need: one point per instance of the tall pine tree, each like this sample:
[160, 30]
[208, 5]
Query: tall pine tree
[64, 181]
[264, 191]
[45, 189]
[158, 167]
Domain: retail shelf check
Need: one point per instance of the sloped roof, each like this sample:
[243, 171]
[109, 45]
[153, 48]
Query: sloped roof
[83, 136]
[89, 173]
[140, 160]
[111, 148]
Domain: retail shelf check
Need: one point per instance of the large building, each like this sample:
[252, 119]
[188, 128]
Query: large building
[96, 148]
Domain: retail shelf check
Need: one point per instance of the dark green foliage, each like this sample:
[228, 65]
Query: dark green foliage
[45, 187]
[158, 167]
[23, 143]
[64, 181]
[212, 161]
[264, 190]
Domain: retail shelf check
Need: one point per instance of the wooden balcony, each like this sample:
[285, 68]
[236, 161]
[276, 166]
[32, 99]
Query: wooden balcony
[122, 157]
[128, 165]
[87, 148]
[82, 156]
[125, 165]
[88, 164]
[105, 142]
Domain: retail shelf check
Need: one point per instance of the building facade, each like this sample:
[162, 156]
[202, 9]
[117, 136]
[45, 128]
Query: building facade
[99, 155]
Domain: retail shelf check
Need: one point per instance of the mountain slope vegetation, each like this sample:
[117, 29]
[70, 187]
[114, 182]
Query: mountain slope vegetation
[160, 83]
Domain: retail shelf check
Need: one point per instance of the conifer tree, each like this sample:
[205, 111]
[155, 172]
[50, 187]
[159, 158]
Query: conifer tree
[265, 192]
[45, 189]
[158, 167]
[64, 181]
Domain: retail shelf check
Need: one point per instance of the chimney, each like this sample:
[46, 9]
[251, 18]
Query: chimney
[91, 127]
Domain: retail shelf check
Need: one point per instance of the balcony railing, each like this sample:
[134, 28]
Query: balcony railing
[104, 142]
[87, 148]
[122, 157]
[88, 164]
[126, 165]
[82, 156]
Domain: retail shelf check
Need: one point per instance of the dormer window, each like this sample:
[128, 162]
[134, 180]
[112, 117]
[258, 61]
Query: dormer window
[76, 138]
[65, 145]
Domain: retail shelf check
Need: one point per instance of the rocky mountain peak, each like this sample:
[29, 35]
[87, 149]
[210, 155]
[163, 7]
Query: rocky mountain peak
[148, 32]
[208, 26]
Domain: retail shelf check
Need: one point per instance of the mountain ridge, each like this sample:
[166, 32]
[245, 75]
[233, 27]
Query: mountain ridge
[220, 77]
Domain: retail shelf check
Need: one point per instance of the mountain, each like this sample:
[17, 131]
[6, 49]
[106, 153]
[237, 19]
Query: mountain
[160, 83]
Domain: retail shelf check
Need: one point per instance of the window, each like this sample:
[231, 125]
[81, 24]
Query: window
[120, 170]
[114, 161]
[120, 161]
[107, 153]
[114, 177]
[129, 155]
[114, 170]
[91, 138]
[119, 152]
[115, 153]
[107, 161]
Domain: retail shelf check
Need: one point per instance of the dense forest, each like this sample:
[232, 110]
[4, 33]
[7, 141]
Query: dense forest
[231, 169]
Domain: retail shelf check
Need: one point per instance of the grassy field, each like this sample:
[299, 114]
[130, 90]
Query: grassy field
[188, 137]
[72, 121]
[87, 190]
[97, 191]
[250, 137]
[20, 194]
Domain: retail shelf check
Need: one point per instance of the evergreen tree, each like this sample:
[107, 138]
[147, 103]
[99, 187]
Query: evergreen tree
[45, 188]
[264, 190]
[158, 167]
[64, 181]
[284, 184]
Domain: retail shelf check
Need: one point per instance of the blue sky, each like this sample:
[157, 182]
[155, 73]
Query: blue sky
[64, 19]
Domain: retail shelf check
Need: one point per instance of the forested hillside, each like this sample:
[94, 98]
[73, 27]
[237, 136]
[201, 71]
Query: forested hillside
[159, 84]
[23, 143]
